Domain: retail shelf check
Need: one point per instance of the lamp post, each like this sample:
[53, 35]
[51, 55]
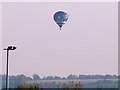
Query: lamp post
[7, 49]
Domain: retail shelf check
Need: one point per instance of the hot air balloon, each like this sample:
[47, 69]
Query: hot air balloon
[60, 18]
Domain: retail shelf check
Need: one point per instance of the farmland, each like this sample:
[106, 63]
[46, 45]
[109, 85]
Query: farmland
[84, 81]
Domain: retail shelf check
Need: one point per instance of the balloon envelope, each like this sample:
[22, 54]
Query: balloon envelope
[60, 18]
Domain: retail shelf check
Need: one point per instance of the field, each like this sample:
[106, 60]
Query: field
[85, 83]
[82, 81]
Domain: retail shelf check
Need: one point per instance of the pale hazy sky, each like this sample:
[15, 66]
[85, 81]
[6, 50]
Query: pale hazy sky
[87, 44]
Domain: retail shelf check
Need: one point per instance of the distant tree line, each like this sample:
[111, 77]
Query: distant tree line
[21, 79]
[73, 77]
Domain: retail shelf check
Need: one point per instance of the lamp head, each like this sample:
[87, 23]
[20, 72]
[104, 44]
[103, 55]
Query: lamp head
[14, 47]
[9, 48]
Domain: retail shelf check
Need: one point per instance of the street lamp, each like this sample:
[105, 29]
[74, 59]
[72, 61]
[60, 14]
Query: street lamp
[7, 49]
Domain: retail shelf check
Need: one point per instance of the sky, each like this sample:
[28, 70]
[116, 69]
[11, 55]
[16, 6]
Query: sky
[59, 1]
[87, 43]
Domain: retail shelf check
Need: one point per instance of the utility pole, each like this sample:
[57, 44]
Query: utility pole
[7, 49]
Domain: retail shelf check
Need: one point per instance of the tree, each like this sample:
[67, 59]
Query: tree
[71, 77]
[36, 77]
